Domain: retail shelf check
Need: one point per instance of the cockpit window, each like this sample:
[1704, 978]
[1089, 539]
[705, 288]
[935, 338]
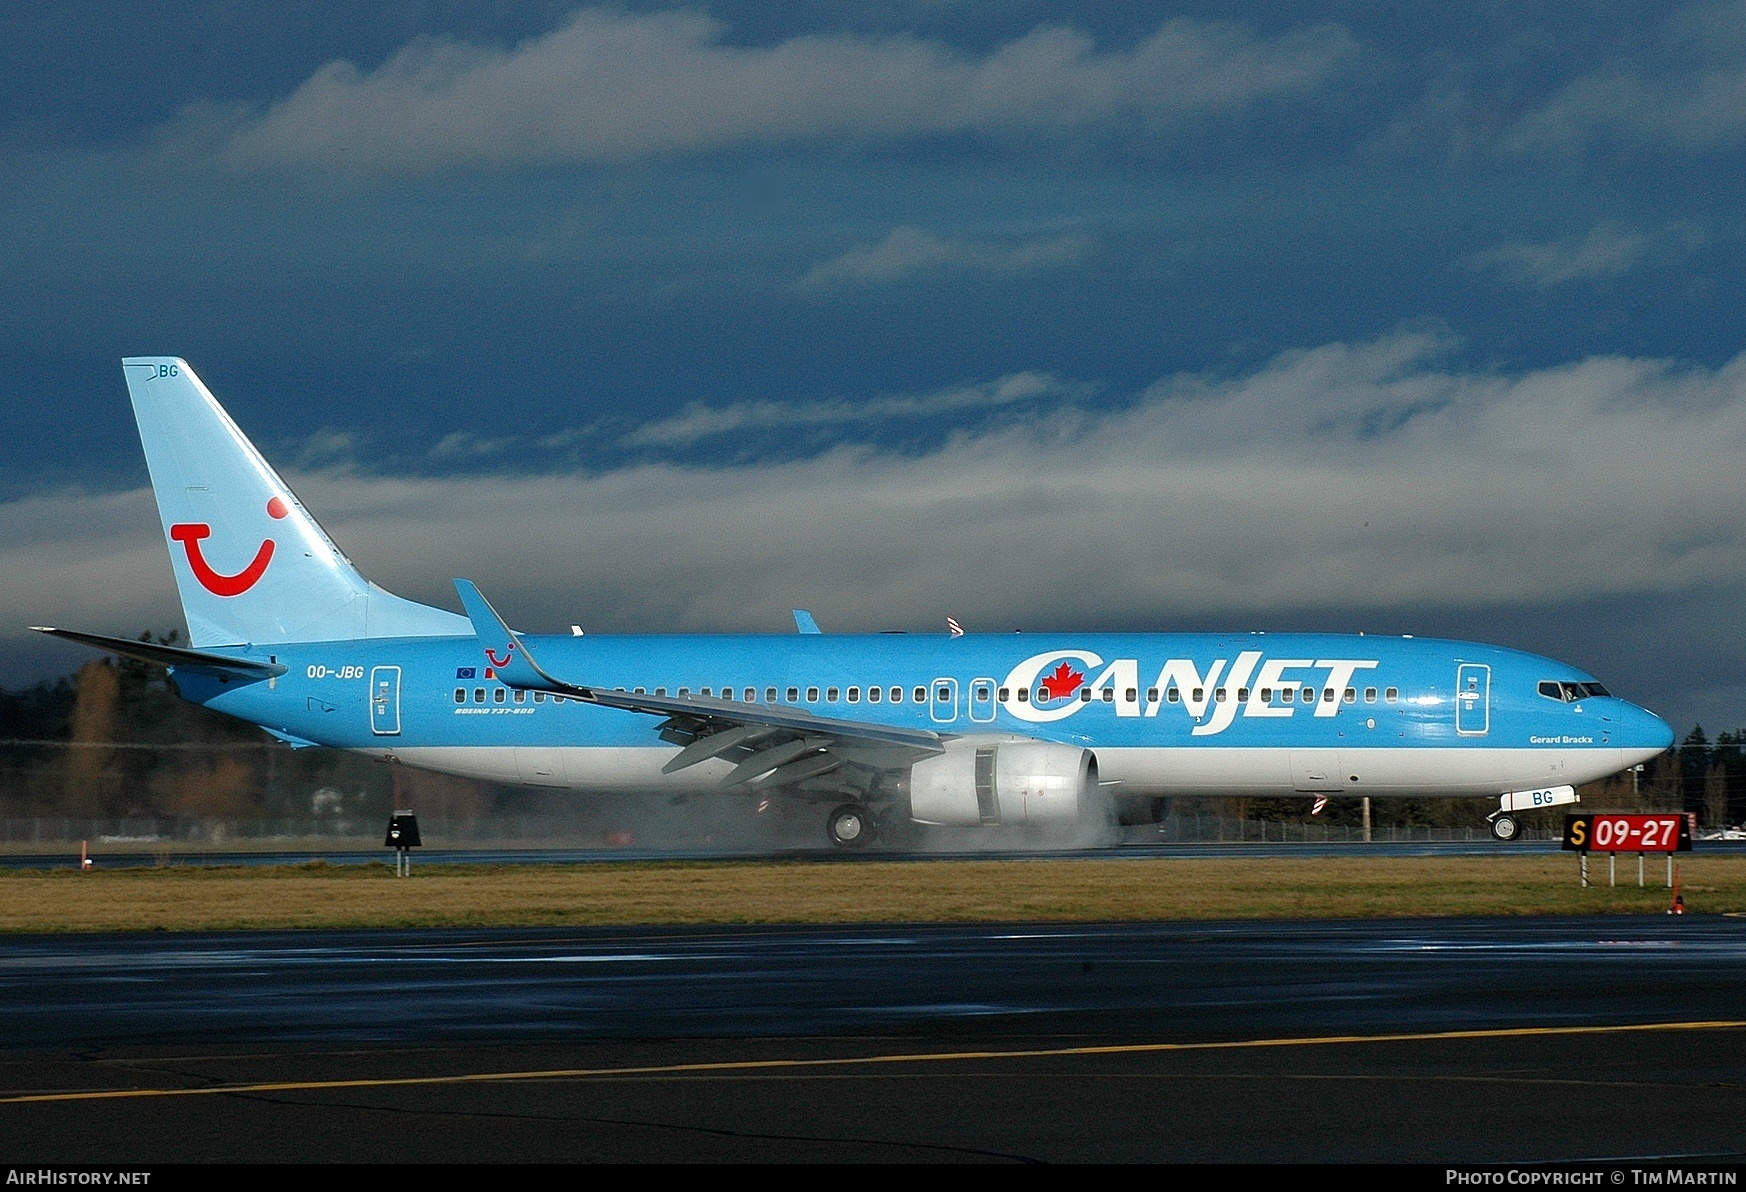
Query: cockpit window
[1569, 693]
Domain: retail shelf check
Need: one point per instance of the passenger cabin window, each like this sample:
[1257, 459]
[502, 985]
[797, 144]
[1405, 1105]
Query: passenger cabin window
[921, 695]
[1351, 695]
[794, 695]
[873, 695]
[1024, 693]
[897, 695]
[1151, 695]
[497, 695]
[830, 695]
[521, 697]
[707, 692]
[539, 697]
[1392, 694]
[751, 695]
[661, 691]
[1199, 694]
[769, 695]
[1370, 695]
[1286, 694]
[1108, 695]
[854, 695]
[1218, 695]
[1242, 695]
[1174, 695]
[478, 695]
[1130, 695]
[1327, 695]
[1005, 694]
[812, 695]
[460, 695]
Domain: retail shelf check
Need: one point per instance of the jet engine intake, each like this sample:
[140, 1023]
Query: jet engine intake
[1024, 782]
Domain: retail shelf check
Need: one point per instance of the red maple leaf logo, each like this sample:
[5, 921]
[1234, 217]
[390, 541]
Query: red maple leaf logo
[1064, 682]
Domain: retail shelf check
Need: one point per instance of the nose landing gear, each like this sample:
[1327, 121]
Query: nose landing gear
[1504, 827]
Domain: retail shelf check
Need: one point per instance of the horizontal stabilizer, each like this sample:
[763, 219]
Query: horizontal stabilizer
[175, 656]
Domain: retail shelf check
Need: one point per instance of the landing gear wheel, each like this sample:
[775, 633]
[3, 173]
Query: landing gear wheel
[850, 826]
[1504, 827]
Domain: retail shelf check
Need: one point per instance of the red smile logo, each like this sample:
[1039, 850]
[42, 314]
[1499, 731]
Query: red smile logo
[502, 662]
[189, 535]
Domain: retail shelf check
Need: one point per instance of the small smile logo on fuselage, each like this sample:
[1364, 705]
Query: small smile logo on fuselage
[189, 534]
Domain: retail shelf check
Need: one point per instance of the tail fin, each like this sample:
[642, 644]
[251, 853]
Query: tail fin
[251, 565]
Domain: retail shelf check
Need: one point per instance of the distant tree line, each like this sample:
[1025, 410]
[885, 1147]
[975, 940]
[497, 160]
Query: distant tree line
[114, 741]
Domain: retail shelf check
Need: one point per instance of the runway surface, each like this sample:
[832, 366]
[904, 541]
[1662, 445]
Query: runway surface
[1437, 1041]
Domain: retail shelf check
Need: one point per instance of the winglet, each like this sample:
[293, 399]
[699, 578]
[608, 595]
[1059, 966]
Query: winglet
[517, 668]
[803, 621]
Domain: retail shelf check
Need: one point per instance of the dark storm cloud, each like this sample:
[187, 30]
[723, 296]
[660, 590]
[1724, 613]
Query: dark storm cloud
[581, 299]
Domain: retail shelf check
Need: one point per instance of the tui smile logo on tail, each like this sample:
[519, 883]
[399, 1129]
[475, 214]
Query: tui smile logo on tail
[500, 663]
[189, 534]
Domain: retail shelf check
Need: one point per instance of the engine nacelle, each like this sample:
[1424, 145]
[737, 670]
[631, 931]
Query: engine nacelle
[1024, 782]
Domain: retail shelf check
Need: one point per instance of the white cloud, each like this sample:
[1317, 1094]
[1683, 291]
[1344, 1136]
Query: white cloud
[1345, 476]
[698, 422]
[1607, 250]
[1690, 94]
[612, 85]
[907, 251]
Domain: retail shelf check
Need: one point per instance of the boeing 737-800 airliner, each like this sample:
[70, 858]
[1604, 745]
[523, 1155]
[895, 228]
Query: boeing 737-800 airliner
[971, 729]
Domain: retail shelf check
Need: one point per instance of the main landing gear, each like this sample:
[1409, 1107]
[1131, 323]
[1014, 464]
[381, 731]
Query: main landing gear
[850, 826]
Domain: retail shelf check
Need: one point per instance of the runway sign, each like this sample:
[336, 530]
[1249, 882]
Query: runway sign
[1624, 832]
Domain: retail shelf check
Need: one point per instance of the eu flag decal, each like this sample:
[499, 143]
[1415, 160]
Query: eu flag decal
[465, 672]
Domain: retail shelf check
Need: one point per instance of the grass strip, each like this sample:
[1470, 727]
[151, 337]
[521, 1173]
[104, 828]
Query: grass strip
[723, 892]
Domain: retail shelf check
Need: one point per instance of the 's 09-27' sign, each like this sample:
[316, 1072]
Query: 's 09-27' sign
[1668, 832]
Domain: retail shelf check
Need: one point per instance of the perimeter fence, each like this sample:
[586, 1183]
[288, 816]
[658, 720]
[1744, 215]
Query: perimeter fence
[557, 831]
[1218, 829]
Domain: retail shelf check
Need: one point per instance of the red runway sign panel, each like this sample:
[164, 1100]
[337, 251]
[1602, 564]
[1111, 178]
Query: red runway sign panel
[1622, 832]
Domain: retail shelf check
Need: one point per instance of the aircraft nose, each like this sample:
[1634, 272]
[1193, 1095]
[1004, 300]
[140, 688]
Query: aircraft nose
[1644, 734]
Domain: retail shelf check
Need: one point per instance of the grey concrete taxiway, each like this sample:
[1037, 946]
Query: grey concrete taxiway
[1434, 1041]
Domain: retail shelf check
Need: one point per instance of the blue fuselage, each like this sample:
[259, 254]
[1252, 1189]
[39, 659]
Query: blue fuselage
[1164, 712]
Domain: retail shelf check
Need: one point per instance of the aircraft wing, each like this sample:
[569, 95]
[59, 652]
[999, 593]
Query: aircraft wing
[783, 745]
